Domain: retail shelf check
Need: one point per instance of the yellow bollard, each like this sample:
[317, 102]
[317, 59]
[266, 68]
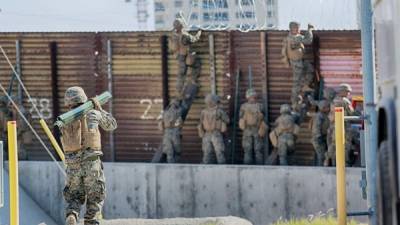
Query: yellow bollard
[13, 170]
[52, 139]
[340, 166]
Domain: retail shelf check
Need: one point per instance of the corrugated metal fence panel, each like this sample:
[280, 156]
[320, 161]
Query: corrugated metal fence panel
[82, 60]
[191, 143]
[340, 59]
[279, 92]
[248, 49]
[137, 84]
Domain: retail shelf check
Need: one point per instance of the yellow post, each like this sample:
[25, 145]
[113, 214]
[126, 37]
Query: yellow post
[340, 166]
[52, 139]
[13, 170]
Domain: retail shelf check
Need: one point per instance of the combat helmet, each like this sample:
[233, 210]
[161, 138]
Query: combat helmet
[178, 22]
[345, 87]
[211, 99]
[294, 23]
[251, 93]
[285, 109]
[75, 95]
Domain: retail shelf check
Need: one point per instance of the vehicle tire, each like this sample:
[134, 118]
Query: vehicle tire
[386, 186]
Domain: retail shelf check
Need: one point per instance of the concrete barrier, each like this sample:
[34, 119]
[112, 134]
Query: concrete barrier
[261, 194]
[180, 221]
[30, 212]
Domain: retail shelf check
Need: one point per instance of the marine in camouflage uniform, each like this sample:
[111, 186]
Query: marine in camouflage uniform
[81, 142]
[181, 44]
[285, 132]
[292, 55]
[213, 122]
[341, 100]
[254, 129]
[171, 124]
[319, 130]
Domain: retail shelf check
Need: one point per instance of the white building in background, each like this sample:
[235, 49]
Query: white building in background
[217, 13]
[262, 14]
[76, 15]
[323, 14]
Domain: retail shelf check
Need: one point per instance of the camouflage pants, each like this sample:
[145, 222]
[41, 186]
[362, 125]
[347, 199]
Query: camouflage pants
[303, 75]
[320, 147]
[213, 141]
[171, 144]
[285, 146]
[252, 144]
[331, 153]
[182, 70]
[85, 181]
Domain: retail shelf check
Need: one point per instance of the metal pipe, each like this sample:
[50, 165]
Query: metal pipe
[250, 78]
[369, 90]
[212, 64]
[1, 175]
[18, 68]
[13, 172]
[110, 89]
[358, 213]
[52, 140]
[54, 87]
[340, 166]
[164, 70]
[235, 117]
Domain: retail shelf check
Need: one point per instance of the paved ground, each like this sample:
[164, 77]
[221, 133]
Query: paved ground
[181, 221]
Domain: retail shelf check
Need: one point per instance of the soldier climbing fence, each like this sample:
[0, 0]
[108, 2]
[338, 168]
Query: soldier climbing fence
[141, 70]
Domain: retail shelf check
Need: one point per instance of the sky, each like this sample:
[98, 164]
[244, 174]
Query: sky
[72, 15]
[121, 15]
[323, 14]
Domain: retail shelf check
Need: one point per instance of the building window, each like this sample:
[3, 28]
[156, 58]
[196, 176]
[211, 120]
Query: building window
[206, 16]
[244, 2]
[194, 16]
[159, 7]
[207, 4]
[195, 3]
[223, 4]
[221, 16]
[269, 13]
[178, 4]
[247, 14]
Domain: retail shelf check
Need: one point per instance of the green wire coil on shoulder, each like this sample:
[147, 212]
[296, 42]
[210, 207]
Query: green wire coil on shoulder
[80, 111]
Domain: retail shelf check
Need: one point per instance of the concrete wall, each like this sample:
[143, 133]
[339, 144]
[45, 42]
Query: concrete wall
[30, 212]
[261, 194]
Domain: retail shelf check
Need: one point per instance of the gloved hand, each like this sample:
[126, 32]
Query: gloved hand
[96, 104]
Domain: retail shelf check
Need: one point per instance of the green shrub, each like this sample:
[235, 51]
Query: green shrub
[313, 221]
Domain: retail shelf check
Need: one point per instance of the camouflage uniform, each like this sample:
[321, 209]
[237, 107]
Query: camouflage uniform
[286, 131]
[213, 122]
[254, 129]
[340, 101]
[293, 53]
[82, 146]
[181, 42]
[320, 125]
[171, 125]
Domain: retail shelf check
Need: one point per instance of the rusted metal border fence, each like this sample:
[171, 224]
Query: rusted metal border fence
[144, 74]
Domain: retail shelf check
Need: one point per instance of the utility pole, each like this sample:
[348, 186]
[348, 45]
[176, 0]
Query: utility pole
[369, 90]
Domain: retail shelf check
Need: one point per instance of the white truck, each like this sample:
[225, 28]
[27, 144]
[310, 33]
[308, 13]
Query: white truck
[387, 34]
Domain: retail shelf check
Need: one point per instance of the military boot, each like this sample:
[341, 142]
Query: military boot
[71, 220]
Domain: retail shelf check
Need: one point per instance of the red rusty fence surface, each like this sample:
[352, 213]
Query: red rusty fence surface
[143, 79]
